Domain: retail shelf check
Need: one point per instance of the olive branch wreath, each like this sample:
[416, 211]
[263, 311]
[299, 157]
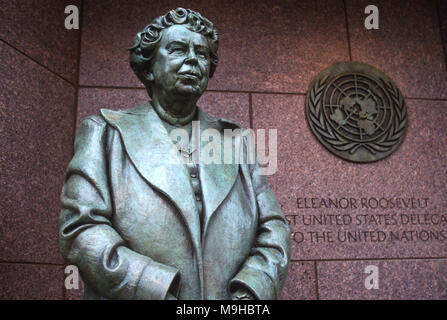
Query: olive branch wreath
[338, 142]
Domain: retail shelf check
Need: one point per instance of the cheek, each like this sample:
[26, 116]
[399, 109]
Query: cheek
[174, 63]
[166, 65]
[205, 66]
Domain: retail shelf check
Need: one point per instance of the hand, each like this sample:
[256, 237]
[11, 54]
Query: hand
[242, 294]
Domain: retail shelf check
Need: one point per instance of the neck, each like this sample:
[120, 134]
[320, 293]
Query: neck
[168, 117]
[173, 110]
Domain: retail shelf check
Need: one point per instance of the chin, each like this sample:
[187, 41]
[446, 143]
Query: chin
[190, 89]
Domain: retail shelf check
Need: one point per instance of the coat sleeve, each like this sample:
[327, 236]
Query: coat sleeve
[264, 271]
[87, 238]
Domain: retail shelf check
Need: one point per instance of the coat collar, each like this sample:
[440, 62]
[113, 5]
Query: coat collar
[151, 150]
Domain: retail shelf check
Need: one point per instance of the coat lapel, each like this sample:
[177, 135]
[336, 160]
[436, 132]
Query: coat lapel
[152, 152]
[216, 180]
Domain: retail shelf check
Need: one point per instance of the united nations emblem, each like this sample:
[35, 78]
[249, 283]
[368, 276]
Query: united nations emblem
[356, 112]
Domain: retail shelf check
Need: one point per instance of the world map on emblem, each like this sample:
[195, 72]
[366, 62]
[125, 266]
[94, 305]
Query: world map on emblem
[356, 112]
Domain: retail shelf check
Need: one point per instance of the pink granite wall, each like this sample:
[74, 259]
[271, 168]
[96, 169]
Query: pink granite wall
[269, 53]
[39, 77]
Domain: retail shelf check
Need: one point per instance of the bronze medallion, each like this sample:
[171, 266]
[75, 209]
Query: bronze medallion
[356, 112]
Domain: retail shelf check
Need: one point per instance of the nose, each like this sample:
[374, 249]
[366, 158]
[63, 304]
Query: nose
[191, 58]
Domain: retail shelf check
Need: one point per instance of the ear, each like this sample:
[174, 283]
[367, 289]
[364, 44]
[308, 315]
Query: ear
[148, 75]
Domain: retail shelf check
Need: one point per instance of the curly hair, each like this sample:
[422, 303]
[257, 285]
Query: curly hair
[146, 41]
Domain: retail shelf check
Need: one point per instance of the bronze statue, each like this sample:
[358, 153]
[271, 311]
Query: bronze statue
[141, 224]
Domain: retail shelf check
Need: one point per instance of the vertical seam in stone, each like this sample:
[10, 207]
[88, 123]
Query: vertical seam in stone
[316, 281]
[347, 30]
[81, 13]
[443, 44]
[75, 111]
[250, 110]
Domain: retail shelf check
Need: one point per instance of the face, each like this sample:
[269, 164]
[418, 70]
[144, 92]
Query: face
[182, 62]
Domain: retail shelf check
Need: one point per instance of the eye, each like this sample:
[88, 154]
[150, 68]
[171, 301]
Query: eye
[177, 50]
[202, 54]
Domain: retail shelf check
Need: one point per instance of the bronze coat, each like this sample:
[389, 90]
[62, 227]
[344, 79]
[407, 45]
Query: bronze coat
[130, 224]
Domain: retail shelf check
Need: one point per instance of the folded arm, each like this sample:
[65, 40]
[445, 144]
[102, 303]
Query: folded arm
[86, 236]
[263, 273]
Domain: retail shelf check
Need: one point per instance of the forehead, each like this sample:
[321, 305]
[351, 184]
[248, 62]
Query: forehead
[181, 34]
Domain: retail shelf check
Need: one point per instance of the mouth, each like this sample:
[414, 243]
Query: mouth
[190, 75]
